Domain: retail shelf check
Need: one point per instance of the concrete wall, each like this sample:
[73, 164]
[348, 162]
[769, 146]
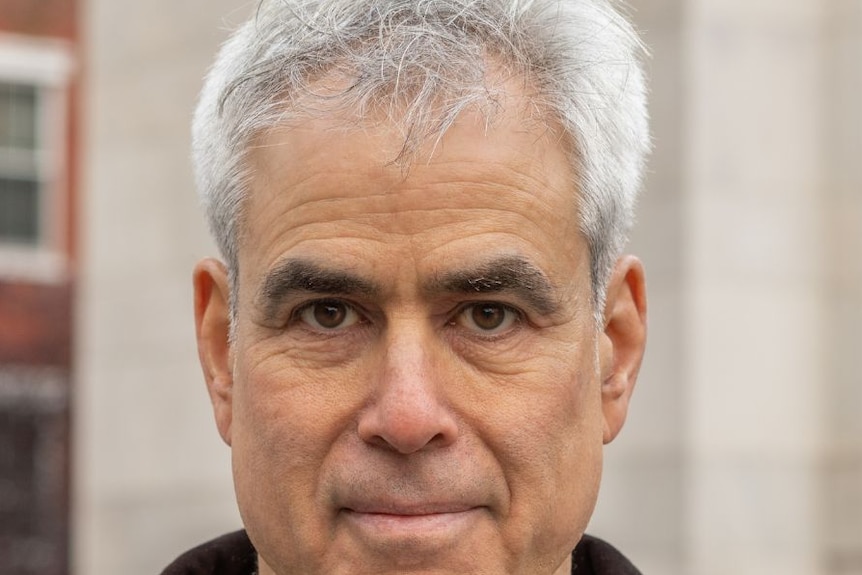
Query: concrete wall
[747, 459]
[755, 311]
[153, 477]
[743, 451]
[840, 512]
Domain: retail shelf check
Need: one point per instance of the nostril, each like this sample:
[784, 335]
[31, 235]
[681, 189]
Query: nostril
[406, 430]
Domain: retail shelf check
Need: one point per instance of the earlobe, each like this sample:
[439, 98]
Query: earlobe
[622, 341]
[212, 327]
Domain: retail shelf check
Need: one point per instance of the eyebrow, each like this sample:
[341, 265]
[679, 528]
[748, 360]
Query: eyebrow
[302, 276]
[505, 274]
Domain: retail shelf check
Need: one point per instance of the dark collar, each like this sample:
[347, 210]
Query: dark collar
[233, 554]
[593, 556]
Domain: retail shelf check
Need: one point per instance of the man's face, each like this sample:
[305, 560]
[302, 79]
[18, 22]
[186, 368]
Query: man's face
[416, 382]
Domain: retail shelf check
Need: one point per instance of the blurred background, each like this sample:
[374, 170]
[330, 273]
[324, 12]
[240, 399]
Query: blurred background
[743, 450]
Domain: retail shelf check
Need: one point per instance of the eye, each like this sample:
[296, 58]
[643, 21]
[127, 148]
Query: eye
[487, 318]
[328, 315]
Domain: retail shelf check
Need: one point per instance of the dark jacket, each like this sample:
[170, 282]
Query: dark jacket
[233, 554]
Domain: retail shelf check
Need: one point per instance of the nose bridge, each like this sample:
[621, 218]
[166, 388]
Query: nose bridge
[408, 411]
[407, 354]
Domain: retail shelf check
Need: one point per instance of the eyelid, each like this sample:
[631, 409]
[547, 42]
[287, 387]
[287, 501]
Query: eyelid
[461, 311]
[299, 310]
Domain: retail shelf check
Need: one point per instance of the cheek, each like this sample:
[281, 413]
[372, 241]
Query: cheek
[287, 422]
[287, 426]
[544, 428]
[288, 417]
[551, 438]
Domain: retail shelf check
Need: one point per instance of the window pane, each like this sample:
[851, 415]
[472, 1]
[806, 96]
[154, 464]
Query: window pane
[18, 116]
[19, 211]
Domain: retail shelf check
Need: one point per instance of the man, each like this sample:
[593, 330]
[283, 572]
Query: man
[423, 332]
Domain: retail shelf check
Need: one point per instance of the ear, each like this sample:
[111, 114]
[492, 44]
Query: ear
[212, 326]
[622, 341]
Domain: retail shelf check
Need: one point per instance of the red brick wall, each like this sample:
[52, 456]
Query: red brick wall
[51, 18]
[35, 356]
[37, 324]
[35, 375]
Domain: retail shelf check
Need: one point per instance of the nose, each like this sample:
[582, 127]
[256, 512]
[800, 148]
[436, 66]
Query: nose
[407, 413]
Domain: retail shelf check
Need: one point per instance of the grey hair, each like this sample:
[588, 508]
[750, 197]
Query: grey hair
[421, 63]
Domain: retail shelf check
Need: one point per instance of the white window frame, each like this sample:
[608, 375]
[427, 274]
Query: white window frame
[47, 65]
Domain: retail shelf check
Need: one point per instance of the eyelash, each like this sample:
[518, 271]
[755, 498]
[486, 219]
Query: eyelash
[463, 308]
[296, 315]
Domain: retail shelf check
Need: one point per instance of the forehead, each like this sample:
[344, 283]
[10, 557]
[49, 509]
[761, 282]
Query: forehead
[335, 177]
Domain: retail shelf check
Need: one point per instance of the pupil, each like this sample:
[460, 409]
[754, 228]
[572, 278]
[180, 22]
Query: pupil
[488, 316]
[329, 315]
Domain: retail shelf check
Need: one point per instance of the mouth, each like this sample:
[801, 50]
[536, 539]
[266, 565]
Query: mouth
[418, 524]
[408, 509]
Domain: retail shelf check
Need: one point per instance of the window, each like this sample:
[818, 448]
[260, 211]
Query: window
[19, 164]
[34, 78]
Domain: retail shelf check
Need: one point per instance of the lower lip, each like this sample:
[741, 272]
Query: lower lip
[440, 527]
